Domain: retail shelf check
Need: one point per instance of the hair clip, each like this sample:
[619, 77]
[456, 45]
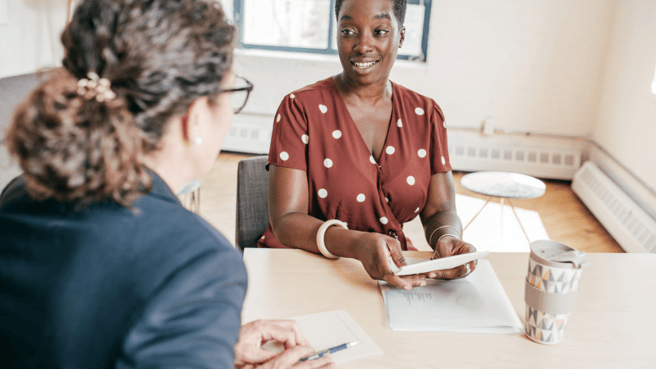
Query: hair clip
[97, 87]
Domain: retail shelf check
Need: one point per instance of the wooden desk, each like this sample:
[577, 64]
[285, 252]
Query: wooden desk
[613, 324]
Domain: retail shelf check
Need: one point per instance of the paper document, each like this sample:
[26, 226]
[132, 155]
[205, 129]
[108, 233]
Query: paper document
[332, 328]
[475, 304]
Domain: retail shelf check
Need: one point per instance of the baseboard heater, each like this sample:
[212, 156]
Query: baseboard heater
[542, 162]
[631, 226]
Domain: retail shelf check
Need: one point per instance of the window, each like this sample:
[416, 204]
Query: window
[309, 26]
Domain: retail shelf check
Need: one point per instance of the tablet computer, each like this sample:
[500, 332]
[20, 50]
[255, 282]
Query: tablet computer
[425, 266]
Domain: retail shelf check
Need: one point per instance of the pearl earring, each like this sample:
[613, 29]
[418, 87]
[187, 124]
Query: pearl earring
[198, 140]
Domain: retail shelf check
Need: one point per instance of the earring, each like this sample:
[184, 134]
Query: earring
[198, 140]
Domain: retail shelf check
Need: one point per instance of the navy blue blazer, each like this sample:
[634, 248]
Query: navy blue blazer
[108, 287]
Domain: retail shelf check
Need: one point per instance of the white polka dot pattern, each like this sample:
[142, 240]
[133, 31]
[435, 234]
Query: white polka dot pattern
[328, 163]
[284, 155]
[387, 199]
[361, 197]
[444, 124]
[292, 96]
[421, 153]
[278, 118]
[443, 161]
[322, 193]
[419, 111]
[323, 108]
[372, 160]
[390, 150]
[305, 139]
[399, 123]
[383, 220]
[411, 180]
[337, 134]
[416, 210]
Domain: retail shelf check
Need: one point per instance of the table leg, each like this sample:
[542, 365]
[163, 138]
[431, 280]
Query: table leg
[518, 221]
[501, 200]
[472, 219]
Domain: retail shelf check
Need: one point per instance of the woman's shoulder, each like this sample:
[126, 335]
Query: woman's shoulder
[408, 96]
[313, 89]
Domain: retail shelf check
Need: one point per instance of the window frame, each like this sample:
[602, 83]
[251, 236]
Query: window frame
[238, 14]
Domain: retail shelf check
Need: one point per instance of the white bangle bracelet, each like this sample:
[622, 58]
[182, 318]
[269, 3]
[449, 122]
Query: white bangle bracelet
[321, 233]
[438, 228]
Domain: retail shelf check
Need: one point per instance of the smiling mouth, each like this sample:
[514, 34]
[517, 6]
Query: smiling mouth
[364, 65]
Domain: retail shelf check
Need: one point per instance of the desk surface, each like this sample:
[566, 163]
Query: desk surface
[613, 323]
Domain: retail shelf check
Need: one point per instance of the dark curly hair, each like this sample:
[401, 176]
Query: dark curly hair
[399, 10]
[159, 56]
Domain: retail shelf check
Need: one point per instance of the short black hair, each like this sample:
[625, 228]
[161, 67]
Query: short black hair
[399, 9]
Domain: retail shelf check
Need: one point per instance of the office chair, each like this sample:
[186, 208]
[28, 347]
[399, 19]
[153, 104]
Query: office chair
[252, 201]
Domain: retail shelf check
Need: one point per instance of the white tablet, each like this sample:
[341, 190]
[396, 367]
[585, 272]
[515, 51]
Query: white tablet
[448, 262]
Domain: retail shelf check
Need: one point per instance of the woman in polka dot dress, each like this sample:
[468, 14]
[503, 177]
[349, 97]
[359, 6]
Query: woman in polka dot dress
[365, 151]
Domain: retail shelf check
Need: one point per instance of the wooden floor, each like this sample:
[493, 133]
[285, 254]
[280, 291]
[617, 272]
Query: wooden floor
[565, 218]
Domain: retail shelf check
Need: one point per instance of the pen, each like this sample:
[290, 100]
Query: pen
[321, 354]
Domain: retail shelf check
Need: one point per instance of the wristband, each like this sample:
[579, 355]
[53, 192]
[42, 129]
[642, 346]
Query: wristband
[321, 233]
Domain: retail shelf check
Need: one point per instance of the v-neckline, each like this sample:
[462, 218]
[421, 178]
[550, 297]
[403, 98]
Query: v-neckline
[354, 127]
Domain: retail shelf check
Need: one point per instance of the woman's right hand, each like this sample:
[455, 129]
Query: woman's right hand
[379, 254]
[290, 359]
[249, 354]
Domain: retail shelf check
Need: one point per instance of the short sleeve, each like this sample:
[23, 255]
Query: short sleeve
[289, 138]
[440, 162]
[193, 319]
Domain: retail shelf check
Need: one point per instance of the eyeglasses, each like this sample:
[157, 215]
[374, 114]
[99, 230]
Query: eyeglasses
[239, 95]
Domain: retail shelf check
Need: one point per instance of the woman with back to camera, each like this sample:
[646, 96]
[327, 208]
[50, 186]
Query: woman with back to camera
[355, 156]
[100, 265]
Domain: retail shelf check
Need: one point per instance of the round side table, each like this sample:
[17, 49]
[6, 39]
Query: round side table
[505, 186]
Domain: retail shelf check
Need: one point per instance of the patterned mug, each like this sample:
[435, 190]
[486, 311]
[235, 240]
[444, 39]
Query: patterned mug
[551, 287]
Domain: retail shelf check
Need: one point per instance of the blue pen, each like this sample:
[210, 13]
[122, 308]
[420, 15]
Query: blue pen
[331, 350]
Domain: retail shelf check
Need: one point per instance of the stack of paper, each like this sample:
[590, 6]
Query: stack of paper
[475, 304]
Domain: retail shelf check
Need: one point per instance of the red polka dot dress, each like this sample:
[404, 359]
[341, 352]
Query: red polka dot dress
[313, 131]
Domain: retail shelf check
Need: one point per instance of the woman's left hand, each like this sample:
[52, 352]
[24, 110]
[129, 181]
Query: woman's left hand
[450, 246]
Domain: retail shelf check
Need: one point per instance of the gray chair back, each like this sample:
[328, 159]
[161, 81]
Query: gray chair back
[13, 91]
[252, 201]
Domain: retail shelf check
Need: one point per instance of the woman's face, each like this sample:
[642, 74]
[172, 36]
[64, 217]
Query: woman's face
[368, 38]
[217, 121]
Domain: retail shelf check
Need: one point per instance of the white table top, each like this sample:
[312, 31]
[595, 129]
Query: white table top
[504, 184]
[612, 325]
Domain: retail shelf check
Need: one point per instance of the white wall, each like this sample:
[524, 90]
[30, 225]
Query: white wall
[29, 40]
[626, 122]
[533, 65]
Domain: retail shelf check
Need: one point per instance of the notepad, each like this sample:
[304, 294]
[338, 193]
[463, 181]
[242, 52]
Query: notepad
[475, 304]
[332, 328]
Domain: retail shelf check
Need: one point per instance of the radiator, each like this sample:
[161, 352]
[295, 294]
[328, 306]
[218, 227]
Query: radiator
[543, 162]
[249, 133]
[632, 228]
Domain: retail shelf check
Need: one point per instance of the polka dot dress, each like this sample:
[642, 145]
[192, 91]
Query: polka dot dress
[372, 192]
